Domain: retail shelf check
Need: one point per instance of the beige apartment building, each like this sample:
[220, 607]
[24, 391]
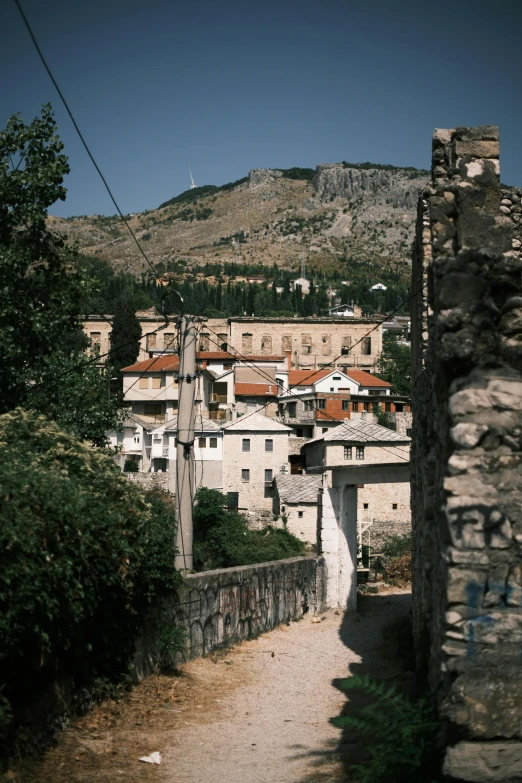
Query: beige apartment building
[311, 342]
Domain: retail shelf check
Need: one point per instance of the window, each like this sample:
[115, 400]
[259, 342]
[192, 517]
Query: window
[137, 439]
[213, 443]
[365, 505]
[409, 432]
[169, 340]
[95, 338]
[268, 476]
[332, 388]
[269, 444]
[223, 341]
[321, 405]
[306, 343]
[299, 433]
[366, 346]
[202, 443]
[394, 506]
[246, 444]
[348, 452]
[345, 405]
[156, 383]
[359, 452]
[324, 429]
[227, 366]
[151, 342]
[387, 407]
[292, 409]
[266, 344]
[286, 342]
[336, 378]
[152, 409]
[345, 347]
[300, 514]
[245, 474]
[308, 405]
[399, 407]
[367, 407]
[144, 383]
[246, 342]
[355, 407]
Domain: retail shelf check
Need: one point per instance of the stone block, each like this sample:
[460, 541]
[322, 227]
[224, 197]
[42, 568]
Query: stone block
[476, 133]
[514, 586]
[488, 700]
[478, 149]
[484, 762]
[467, 435]
[496, 586]
[466, 586]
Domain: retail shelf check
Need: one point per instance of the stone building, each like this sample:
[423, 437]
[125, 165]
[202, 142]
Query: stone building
[255, 450]
[295, 501]
[467, 454]
[208, 451]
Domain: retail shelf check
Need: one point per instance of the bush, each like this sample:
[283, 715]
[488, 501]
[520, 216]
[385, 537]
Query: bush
[401, 734]
[397, 546]
[398, 570]
[222, 538]
[131, 466]
[82, 552]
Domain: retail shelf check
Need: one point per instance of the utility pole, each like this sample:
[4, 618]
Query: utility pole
[184, 560]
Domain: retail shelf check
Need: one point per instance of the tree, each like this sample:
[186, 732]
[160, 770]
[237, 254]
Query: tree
[82, 553]
[394, 365]
[44, 286]
[125, 335]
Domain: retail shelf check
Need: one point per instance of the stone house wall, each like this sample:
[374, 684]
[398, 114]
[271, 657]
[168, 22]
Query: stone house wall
[254, 495]
[373, 454]
[313, 341]
[375, 505]
[467, 454]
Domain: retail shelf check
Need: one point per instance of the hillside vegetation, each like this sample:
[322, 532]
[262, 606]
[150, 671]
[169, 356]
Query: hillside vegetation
[364, 212]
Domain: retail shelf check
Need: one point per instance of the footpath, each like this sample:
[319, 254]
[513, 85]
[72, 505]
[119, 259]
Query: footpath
[257, 713]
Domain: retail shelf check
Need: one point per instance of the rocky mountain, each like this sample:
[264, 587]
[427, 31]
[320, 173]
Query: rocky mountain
[361, 211]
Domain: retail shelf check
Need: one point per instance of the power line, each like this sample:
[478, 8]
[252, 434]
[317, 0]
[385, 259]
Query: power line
[82, 139]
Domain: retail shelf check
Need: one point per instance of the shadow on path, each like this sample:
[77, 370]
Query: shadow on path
[362, 634]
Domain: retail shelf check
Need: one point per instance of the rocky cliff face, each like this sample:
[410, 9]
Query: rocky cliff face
[399, 188]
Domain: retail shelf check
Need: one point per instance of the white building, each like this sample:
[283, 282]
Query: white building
[132, 441]
[379, 287]
[208, 451]
[303, 282]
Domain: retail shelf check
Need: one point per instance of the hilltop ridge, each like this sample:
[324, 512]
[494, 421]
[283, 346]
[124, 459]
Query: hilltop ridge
[362, 211]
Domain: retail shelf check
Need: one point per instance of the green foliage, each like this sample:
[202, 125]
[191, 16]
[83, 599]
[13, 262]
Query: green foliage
[385, 419]
[126, 334]
[397, 546]
[171, 640]
[394, 366]
[384, 167]
[400, 734]
[130, 466]
[298, 173]
[194, 194]
[222, 538]
[82, 553]
[44, 288]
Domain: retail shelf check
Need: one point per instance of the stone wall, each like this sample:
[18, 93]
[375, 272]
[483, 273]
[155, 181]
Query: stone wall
[148, 481]
[466, 454]
[222, 607]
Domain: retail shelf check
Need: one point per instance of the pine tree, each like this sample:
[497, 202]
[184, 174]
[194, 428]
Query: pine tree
[125, 335]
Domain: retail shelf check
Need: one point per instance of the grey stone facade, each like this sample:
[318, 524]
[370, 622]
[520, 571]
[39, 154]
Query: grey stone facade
[467, 453]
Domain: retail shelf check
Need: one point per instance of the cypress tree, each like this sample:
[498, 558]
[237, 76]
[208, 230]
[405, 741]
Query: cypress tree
[125, 335]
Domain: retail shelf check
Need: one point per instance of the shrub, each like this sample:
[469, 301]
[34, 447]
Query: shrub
[222, 538]
[397, 546]
[398, 570]
[82, 552]
[401, 734]
[131, 466]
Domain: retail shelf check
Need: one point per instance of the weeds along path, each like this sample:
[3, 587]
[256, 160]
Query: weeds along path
[257, 713]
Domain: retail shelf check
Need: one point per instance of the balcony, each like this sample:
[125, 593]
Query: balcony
[217, 398]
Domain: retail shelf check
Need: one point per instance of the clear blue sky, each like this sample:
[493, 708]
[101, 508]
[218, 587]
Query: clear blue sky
[226, 86]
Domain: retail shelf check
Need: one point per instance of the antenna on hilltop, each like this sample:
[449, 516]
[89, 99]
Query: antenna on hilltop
[192, 183]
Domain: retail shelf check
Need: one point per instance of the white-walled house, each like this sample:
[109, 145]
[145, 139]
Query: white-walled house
[208, 451]
[255, 450]
[132, 441]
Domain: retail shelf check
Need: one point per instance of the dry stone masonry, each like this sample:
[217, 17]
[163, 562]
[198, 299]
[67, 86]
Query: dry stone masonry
[467, 453]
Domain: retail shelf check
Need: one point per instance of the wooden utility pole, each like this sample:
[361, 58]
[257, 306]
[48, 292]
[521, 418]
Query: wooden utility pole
[184, 559]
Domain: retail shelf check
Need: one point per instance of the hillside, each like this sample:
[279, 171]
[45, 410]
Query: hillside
[361, 211]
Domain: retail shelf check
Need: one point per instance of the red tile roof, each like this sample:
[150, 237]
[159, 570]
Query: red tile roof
[259, 357]
[215, 355]
[256, 389]
[156, 364]
[365, 378]
[306, 377]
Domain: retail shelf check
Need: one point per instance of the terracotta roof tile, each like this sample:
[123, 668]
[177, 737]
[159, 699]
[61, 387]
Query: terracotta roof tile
[306, 377]
[365, 378]
[256, 389]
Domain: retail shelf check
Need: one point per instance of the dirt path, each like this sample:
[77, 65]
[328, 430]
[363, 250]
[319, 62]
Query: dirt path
[256, 714]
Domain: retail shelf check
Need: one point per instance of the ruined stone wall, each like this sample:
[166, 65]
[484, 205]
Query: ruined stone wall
[222, 607]
[466, 453]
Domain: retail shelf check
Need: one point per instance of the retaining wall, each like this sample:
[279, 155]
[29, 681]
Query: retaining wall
[218, 608]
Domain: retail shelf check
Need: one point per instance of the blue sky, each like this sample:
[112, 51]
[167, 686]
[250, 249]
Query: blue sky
[224, 86]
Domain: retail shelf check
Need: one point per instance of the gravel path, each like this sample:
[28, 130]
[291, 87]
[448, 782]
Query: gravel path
[257, 713]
